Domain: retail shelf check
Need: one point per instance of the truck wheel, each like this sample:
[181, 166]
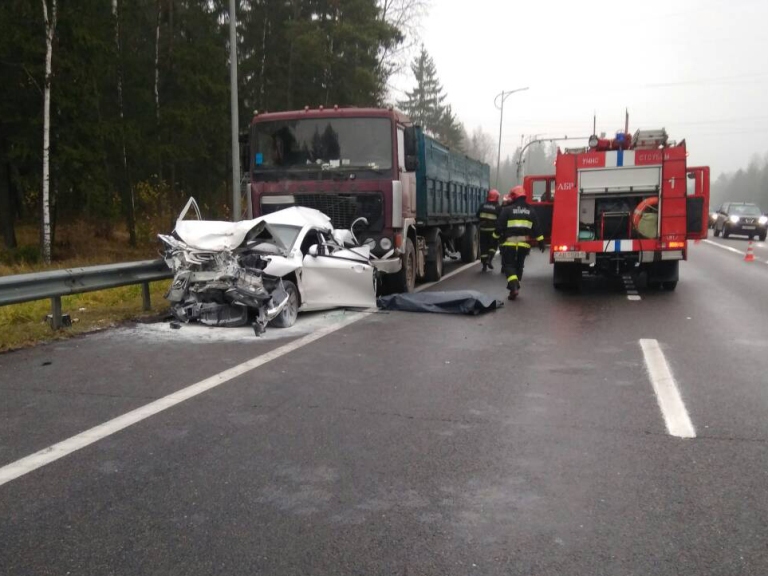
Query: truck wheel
[470, 244]
[405, 279]
[434, 269]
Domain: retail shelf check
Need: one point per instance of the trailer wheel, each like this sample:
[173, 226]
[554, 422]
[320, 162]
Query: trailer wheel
[405, 279]
[470, 244]
[434, 268]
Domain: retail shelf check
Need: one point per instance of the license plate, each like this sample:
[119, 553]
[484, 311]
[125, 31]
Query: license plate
[570, 255]
[747, 227]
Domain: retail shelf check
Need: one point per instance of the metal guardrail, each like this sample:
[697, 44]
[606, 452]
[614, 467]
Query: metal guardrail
[57, 283]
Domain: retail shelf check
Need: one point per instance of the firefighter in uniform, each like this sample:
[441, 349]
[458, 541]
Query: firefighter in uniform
[488, 213]
[516, 228]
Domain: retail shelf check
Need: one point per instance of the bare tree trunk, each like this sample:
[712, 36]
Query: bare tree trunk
[157, 63]
[127, 198]
[50, 31]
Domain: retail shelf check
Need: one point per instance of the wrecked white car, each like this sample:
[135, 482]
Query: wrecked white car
[264, 271]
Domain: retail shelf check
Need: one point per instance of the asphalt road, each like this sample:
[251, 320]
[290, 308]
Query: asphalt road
[527, 441]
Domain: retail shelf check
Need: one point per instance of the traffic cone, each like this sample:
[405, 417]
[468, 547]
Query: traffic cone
[750, 255]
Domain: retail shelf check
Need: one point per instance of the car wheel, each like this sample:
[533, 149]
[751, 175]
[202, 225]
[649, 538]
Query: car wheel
[670, 285]
[717, 232]
[762, 236]
[287, 317]
[434, 269]
[725, 232]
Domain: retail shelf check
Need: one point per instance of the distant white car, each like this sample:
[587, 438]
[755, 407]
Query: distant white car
[319, 267]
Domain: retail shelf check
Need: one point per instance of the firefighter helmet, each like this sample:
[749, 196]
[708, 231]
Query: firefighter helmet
[493, 196]
[516, 192]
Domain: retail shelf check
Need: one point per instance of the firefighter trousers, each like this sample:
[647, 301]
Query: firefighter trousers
[513, 262]
[487, 245]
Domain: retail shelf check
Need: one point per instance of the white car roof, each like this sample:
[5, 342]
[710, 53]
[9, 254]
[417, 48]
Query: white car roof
[217, 235]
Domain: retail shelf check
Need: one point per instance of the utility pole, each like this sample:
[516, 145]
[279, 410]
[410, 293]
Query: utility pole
[499, 103]
[236, 212]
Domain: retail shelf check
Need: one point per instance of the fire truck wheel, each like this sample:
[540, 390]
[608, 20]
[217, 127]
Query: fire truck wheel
[566, 276]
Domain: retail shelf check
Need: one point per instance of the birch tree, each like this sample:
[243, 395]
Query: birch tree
[50, 31]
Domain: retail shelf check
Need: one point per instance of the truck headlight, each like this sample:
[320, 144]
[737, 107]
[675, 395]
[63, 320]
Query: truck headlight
[734, 219]
[763, 220]
[385, 243]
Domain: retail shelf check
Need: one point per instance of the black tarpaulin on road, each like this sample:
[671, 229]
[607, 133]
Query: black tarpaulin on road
[451, 302]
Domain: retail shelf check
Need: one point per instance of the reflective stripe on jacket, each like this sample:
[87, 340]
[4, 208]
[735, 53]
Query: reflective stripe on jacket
[488, 214]
[517, 225]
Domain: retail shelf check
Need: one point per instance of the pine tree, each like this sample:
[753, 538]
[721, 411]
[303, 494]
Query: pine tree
[425, 104]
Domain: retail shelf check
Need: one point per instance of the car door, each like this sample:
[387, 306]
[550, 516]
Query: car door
[335, 277]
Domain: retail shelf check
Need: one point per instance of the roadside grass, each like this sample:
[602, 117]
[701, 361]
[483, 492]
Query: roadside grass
[23, 325]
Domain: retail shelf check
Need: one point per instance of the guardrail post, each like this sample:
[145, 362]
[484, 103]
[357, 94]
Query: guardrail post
[56, 312]
[145, 296]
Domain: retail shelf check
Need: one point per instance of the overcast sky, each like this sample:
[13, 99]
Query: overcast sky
[697, 68]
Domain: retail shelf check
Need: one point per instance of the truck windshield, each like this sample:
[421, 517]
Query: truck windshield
[322, 143]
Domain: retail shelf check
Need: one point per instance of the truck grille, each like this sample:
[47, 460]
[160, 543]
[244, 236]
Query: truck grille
[343, 209]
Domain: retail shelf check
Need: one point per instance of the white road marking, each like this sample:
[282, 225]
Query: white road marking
[667, 394]
[52, 453]
[65, 447]
[458, 270]
[724, 247]
[629, 286]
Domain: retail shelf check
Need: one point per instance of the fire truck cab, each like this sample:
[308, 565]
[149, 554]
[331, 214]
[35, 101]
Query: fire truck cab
[625, 205]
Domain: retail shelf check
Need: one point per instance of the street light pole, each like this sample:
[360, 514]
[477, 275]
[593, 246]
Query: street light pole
[236, 211]
[500, 105]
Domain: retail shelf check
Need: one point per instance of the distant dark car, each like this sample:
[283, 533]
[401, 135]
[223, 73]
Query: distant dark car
[741, 218]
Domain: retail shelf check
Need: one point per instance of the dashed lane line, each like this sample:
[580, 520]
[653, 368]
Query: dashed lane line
[676, 417]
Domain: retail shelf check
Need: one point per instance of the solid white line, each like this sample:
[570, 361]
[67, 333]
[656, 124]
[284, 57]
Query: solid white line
[667, 394]
[52, 453]
[458, 270]
[634, 298]
[712, 243]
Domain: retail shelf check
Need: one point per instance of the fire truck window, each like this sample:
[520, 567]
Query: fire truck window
[401, 148]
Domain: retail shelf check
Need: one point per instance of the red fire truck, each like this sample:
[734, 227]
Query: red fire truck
[622, 205]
